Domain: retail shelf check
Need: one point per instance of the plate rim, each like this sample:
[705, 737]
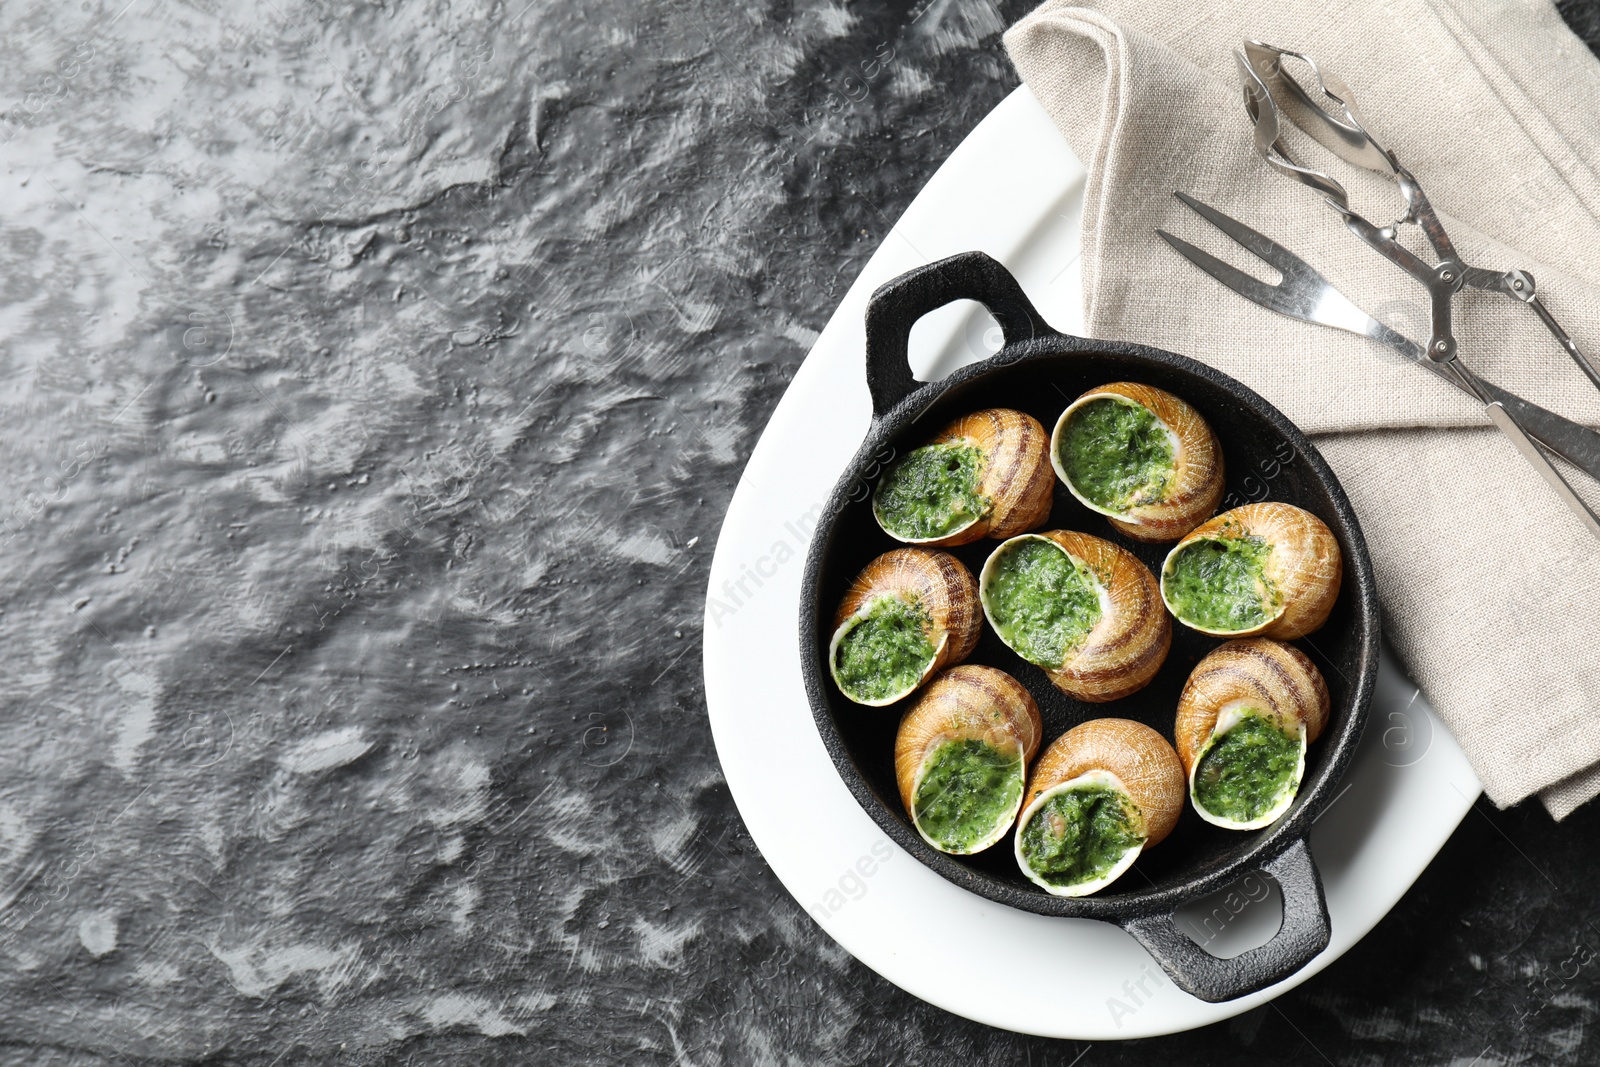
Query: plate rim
[1016, 136]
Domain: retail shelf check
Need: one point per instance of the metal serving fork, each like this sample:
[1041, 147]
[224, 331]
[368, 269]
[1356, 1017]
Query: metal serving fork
[1303, 293]
[1343, 132]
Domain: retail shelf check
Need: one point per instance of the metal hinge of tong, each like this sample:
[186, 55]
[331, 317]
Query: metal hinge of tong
[1342, 131]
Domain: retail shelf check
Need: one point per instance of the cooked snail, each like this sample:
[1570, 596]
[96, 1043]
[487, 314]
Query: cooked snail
[1262, 569]
[1105, 791]
[1084, 609]
[961, 757]
[1244, 720]
[1141, 457]
[985, 475]
[909, 614]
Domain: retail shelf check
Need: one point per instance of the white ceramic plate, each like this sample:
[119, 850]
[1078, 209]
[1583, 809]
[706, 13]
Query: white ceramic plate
[1014, 190]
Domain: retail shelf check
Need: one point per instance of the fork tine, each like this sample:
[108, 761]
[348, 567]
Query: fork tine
[1259, 243]
[1253, 289]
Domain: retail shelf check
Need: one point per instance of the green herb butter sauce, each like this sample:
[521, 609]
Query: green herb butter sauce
[931, 492]
[1221, 584]
[1247, 769]
[885, 652]
[968, 789]
[1079, 834]
[1116, 454]
[1041, 601]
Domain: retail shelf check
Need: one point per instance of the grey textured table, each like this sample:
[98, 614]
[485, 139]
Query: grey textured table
[375, 381]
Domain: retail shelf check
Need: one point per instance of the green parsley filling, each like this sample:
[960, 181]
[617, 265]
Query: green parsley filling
[931, 492]
[1116, 454]
[1079, 834]
[1246, 771]
[969, 788]
[1041, 601]
[1220, 584]
[885, 651]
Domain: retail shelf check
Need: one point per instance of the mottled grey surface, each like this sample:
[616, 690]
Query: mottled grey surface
[375, 378]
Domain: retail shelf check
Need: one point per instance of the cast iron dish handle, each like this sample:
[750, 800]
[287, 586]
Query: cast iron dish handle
[1304, 933]
[898, 304]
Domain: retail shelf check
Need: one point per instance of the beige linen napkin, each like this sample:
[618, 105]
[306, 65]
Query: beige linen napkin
[1490, 587]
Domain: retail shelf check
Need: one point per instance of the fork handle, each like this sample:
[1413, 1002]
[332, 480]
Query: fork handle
[1573, 442]
[1576, 444]
[1541, 463]
[1525, 444]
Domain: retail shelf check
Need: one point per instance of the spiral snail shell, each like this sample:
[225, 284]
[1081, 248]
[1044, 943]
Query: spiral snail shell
[910, 613]
[1141, 457]
[1084, 609]
[1267, 569]
[1101, 794]
[986, 474]
[1245, 717]
[961, 757]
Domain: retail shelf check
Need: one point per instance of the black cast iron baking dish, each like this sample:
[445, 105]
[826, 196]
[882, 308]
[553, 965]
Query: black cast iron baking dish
[1040, 371]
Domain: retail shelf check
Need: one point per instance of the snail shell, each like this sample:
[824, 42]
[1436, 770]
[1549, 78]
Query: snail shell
[1128, 644]
[1302, 572]
[1253, 676]
[935, 582]
[1015, 480]
[1119, 754]
[968, 703]
[1194, 488]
